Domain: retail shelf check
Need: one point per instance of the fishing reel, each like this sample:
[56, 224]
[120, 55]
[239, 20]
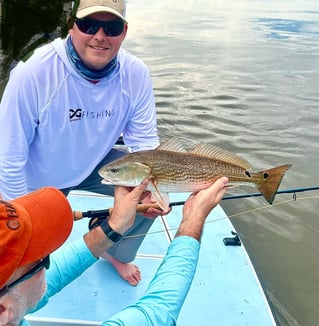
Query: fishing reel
[96, 217]
[95, 222]
[102, 220]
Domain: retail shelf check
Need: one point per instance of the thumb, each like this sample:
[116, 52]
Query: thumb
[137, 192]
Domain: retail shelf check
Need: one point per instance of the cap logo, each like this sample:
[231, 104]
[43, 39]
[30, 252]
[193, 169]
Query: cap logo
[13, 224]
[11, 211]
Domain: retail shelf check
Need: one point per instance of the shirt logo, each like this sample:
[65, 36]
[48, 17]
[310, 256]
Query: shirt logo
[79, 114]
[75, 114]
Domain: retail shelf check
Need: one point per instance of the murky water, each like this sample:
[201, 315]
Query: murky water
[244, 75]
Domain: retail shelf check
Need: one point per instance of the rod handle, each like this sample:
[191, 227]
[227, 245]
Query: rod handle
[141, 208]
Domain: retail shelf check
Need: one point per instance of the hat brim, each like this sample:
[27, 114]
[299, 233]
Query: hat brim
[81, 13]
[51, 219]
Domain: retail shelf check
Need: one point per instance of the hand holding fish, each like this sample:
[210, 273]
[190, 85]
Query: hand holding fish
[126, 200]
[198, 206]
[121, 219]
[201, 203]
[152, 212]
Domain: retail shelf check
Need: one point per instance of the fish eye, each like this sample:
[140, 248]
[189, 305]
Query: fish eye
[113, 170]
[248, 174]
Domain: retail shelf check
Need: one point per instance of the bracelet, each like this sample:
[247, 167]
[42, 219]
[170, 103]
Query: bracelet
[109, 232]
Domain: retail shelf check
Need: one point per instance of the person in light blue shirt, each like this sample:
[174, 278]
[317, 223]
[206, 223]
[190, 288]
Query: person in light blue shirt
[28, 234]
[65, 107]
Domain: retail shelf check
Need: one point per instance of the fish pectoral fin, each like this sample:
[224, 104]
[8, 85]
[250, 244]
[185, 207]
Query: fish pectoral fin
[162, 199]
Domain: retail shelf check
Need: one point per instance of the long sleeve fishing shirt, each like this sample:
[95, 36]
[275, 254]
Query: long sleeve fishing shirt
[164, 297]
[56, 126]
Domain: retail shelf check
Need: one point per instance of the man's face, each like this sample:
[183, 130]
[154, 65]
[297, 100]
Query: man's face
[23, 298]
[97, 50]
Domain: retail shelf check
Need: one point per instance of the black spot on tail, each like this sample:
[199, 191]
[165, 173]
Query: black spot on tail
[266, 175]
[248, 174]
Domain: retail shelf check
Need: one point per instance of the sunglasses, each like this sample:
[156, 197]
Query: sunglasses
[91, 26]
[44, 263]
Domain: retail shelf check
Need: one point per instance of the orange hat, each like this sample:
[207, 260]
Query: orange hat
[31, 227]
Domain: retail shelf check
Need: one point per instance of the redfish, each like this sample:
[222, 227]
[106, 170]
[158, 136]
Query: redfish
[170, 168]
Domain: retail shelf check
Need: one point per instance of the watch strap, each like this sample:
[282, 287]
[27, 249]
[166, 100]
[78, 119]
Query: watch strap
[109, 232]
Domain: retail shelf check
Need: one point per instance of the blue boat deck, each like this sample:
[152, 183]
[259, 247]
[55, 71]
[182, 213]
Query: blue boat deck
[225, 291]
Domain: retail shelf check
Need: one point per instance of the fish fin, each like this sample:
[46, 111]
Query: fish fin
[172, 145]
[271, 181]
[231, 186]
[162, 198]
[211, 151]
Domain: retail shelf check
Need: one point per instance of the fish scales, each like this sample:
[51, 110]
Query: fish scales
[170, 168]
[187, 172]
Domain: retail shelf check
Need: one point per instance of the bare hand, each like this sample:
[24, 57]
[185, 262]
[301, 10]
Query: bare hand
[201, 203]
[198, 206]
[152, 212]
[125, 203]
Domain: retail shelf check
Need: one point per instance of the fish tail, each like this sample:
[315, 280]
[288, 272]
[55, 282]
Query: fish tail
[271, 180]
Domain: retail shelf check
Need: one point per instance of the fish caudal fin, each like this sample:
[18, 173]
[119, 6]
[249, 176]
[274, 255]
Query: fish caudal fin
[271, 180]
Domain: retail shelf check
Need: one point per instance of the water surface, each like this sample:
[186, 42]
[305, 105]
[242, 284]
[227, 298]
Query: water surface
[244, 75]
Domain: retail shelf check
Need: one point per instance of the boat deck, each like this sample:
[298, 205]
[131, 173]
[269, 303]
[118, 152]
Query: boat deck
[225, 291]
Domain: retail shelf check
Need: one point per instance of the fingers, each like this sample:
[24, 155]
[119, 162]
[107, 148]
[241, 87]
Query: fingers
[215, 192]
[153, 212]
[201, 203]
[137, 192]
[223, 181]
[143, 185]
[219, 188]
[133, 194]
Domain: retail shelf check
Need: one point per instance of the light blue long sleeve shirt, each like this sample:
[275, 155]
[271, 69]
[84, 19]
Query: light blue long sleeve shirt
[164, 297]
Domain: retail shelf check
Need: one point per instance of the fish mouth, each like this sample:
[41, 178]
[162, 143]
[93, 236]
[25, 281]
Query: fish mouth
[107, 181]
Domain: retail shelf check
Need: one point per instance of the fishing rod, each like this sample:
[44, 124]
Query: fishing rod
[97, 216]
[258, 194]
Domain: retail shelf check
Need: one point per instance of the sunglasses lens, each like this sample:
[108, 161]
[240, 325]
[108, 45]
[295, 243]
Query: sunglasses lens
[114, 28]
[46, 262]
[91, 26]
[87, 26]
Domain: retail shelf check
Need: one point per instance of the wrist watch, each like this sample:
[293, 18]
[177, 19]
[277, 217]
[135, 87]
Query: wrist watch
[109, 232]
